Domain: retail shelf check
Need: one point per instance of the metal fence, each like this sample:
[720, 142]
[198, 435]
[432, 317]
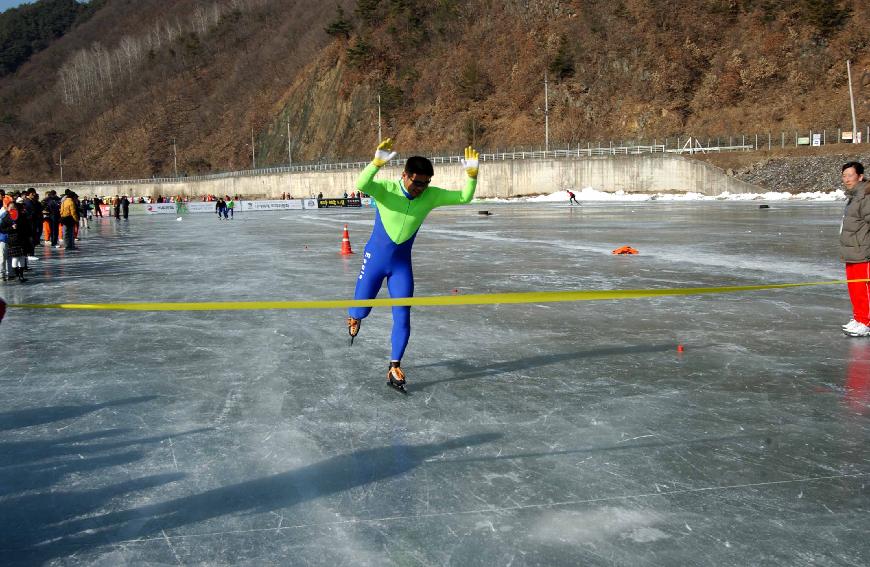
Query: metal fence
[670, 145]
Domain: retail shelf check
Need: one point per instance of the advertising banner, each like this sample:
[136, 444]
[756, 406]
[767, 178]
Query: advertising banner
[276, 205]
[160, 208]
[209, 206]
[339, 202]
[310, 203]
[200, 206]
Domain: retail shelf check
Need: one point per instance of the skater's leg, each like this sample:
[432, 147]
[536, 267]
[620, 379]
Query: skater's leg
[368, 284]
[401, 284]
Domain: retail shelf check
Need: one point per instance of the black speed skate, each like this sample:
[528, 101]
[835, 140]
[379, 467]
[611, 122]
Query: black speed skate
[396, 378]
[352, 329]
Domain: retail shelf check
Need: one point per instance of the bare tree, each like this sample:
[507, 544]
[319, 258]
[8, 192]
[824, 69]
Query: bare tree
[91, 73]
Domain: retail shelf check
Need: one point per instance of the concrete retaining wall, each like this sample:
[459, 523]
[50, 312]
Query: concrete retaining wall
[651, 173]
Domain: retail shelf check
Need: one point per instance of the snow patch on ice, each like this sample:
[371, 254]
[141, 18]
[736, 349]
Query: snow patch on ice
[598, 525]
[591, 194]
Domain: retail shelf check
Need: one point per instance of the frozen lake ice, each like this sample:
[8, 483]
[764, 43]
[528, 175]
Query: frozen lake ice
[539, 434]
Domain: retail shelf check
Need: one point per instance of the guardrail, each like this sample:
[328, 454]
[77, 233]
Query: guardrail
[357, 165]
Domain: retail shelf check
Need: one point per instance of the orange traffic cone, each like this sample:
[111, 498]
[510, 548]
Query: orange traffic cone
[345, 243]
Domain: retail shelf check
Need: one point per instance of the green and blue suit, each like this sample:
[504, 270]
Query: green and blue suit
[388, 252]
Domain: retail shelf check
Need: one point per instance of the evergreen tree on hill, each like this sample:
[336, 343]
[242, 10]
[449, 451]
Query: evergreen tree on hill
[30, 28]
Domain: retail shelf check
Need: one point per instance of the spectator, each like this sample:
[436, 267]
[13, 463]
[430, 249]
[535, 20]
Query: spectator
[855, 247]
[53, 205]
[5, 229]
[18, 237]
[69, 218]
[35, 217]
[85, 213]
[98, 207]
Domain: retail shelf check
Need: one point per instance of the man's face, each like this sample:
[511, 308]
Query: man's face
[415, 183]
[851, 177]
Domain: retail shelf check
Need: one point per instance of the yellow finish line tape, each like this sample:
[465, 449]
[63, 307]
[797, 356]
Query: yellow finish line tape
[438, 300]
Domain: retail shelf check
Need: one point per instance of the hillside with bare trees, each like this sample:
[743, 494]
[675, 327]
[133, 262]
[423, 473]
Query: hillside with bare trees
[124, 91]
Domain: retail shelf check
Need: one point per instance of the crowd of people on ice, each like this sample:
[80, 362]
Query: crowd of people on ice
[27, 221]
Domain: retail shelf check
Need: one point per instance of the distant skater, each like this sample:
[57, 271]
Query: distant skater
[220, 208]
[402, 206]
[855, 247]
[125, 206]
[572, 198]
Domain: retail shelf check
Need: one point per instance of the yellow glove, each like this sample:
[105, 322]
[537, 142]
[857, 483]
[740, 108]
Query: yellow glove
[384, 153]
[470, 163]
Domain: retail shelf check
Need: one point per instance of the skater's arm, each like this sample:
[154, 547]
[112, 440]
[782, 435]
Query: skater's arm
[367, 184]
[462, 197]
[366, 181]
[470, 164]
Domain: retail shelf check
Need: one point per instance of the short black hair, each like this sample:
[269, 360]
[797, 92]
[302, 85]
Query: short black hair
[859, 167]
[420, 165]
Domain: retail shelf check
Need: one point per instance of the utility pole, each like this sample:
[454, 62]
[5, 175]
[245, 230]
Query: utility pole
[852, 101]
[253, 151]
[546, 115]
[60, 163]
[379, 118]
[289, 155]
[174, 157]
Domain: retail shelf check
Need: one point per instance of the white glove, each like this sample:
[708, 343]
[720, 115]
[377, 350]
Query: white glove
[470, 163]
[384, 153]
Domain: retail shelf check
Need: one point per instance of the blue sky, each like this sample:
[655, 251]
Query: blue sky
[6, 4]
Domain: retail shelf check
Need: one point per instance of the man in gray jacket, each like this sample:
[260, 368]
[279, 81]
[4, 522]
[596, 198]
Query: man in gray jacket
[855, 247]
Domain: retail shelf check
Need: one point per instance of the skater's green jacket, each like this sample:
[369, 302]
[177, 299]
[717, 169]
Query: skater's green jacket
[400, 215]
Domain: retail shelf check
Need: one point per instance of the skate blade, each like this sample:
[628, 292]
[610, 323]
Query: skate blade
[400, 386]
[350, 341]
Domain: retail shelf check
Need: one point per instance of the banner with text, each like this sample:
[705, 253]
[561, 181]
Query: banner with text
[339, 202]
[209, 206]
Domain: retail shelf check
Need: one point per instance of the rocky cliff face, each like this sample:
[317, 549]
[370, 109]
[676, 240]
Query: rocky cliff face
[799, 174]
[141, 83]
[796, 170]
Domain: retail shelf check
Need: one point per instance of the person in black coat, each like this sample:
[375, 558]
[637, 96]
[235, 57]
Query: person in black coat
[125, 206]
[18, 239]
[52, 205]
[32, 199]
[6, 228]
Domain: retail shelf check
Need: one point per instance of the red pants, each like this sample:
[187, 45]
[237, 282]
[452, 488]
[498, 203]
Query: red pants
[859, 292]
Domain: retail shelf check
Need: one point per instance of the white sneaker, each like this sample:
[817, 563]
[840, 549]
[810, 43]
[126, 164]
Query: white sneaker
[850, 324]
[859, 330]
